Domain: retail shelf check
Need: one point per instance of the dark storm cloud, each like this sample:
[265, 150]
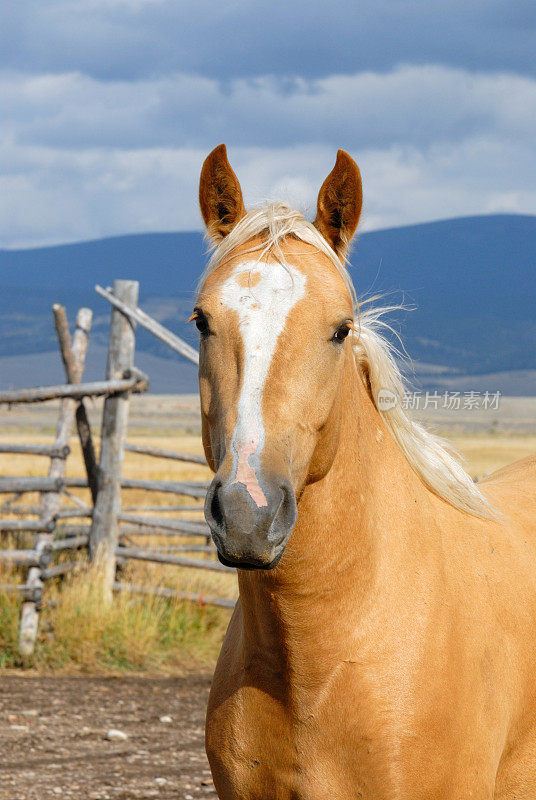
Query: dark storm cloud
[132, 39]
[110, 106]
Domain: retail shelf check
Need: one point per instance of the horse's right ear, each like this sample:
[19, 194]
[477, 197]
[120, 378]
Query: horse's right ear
[339, 204]
[220, 195]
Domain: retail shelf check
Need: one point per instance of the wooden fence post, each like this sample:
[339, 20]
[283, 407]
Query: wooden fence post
[82, 422]
[50, 501]
[104, 532]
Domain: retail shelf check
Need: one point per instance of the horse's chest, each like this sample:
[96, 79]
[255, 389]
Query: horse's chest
[257, 749]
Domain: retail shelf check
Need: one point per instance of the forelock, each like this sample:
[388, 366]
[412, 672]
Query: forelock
[270, 224]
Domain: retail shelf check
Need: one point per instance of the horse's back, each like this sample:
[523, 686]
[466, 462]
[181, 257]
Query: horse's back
[525, 468]
[512, 491]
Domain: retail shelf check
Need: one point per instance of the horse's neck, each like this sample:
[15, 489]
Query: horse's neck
[341, 549]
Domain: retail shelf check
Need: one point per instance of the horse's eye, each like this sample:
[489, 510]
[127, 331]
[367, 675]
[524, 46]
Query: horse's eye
[341, 333]
[202, 325]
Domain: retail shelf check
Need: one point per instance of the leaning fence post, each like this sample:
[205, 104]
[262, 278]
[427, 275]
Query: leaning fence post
[74, 375]
[51, 500]
[103, 537]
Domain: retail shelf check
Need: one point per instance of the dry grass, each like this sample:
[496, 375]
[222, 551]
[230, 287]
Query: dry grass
[79, 632]
[485, 453]
[152, 634]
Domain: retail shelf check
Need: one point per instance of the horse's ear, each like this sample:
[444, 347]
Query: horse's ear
[339, 203]
[220, 195]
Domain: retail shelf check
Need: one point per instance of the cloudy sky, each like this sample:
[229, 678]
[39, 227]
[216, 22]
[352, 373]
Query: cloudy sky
[109, 107]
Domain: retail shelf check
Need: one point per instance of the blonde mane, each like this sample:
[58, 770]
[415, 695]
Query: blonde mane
[429, 455]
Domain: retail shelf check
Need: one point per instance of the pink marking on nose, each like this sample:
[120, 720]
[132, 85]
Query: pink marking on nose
[246, 474]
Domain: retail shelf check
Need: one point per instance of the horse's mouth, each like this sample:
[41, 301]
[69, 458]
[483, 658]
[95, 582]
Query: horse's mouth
[250, 565]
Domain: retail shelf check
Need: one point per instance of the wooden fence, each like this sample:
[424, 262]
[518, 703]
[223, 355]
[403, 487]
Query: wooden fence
[107, 527]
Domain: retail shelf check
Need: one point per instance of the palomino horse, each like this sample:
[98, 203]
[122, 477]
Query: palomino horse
[384, 642]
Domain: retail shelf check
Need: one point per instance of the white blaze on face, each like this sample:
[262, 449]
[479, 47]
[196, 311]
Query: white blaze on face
[262, 293]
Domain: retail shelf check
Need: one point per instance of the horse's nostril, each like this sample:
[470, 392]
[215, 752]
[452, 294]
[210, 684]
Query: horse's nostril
[288, 498]
[289, 507]
[215, 508]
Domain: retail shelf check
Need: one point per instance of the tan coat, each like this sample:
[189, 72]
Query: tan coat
[391, 653]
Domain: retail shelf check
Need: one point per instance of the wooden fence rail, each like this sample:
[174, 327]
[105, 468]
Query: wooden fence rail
[50, 450]
[26, 526]
[16, 484]
[191, 548]
[32, 594]
[188, 526]
[61, 569]
[72, 543]
[159, 452]
[68, 531]
[190, 489]
[74, 513]
[39, 394]
[162, 591]
[49, 483]
[166, 509]
[137, 315]
[142, 554]
[63, 513]
[134, 530]
[22, 558]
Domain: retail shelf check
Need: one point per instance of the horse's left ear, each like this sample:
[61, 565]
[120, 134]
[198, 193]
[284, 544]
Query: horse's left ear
[339, 203]
[220, 195]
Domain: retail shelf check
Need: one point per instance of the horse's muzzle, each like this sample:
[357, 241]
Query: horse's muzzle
[246, 535]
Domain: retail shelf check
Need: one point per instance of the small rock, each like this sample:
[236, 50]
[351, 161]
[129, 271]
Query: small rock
[160, 781]
[114, 735]
[30, 712]
[167, 719]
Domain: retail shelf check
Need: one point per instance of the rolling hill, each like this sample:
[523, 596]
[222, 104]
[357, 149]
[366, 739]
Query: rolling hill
[470, 282]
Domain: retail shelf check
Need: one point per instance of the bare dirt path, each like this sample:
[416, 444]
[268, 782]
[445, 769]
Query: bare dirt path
[52, 738]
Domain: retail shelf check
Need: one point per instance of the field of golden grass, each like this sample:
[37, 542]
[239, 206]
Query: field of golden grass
[485, 453]
[152, 634]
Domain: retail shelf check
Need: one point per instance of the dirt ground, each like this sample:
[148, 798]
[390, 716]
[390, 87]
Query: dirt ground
[53, 729]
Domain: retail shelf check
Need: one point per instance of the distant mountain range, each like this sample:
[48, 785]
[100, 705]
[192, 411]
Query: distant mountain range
[470, 281]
